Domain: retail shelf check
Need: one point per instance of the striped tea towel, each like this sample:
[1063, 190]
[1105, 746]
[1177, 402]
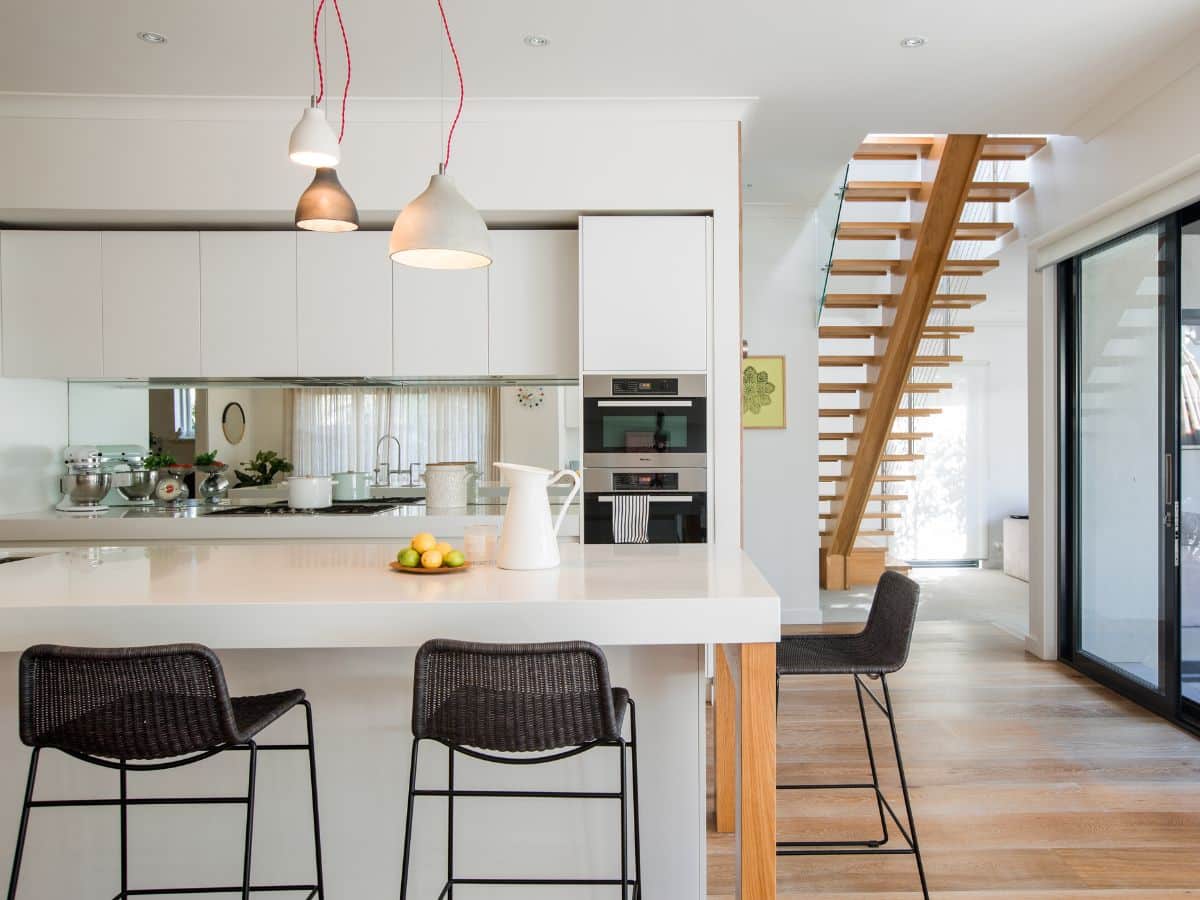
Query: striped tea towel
[631, 519]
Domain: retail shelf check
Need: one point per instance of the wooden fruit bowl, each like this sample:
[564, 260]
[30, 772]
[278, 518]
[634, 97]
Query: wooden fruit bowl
[421, 570]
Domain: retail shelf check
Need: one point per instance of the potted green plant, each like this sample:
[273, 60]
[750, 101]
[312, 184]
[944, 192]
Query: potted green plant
[262, 469]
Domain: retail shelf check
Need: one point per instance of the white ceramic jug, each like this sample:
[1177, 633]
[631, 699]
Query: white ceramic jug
[446, 485]
[528, 538]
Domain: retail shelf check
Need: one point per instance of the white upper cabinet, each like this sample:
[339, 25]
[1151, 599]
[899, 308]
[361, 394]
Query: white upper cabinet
[344, 304]
[248, 303]
[644, 289]
[151, 284]
[50, 304]
[533, 299]
[440, 321]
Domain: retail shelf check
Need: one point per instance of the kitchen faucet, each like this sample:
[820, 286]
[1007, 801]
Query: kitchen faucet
[383, 472]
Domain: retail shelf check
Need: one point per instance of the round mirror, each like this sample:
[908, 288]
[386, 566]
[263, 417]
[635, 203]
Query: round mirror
[233, 423]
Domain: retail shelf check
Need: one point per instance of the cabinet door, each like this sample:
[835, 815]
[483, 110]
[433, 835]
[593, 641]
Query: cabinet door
[151, 282]
[644, 293]
[441, 321]
[50, 297]
[533, 303]
[344, 303]
[248, 303]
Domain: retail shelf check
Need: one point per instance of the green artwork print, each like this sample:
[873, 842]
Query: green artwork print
[763, 392]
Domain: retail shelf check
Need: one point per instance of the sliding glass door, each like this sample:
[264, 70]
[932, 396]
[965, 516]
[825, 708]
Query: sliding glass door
[1189, 463]
[1120, 459]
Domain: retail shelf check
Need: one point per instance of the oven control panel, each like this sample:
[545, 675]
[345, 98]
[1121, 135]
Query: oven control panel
[645, 387]
[645, 481]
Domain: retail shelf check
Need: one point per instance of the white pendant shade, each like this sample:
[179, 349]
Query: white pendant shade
[440, 230]
[313, 142]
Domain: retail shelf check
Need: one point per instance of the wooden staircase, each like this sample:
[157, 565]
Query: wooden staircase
[888, 322]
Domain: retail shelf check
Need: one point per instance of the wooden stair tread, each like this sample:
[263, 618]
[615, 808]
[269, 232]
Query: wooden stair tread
[900, 147]
[969, 267]
[879, 478]
[857, 332]
[874, 301]
[887, 457]
[866, 515]
[875, 360]
[876, 498]
[866, 533]
[900, 191]
[892, 436]
[891, 231]
[853, 387]
[858, 411]
[867, 266]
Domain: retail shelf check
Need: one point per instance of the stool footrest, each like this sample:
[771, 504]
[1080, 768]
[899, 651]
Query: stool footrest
[553, 795]
[262, 888]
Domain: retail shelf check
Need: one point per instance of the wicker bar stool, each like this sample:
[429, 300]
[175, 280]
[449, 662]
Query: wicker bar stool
[165, 707]
[877, 651]
[556, 700]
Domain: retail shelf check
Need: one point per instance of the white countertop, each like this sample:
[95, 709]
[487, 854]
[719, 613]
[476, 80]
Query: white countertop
[286, 595]
[126, 524]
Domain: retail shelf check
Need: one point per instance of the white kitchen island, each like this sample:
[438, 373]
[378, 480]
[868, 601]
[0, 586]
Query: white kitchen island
[334, 620]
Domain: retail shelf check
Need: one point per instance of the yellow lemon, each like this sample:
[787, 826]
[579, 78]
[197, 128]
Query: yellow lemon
[442, 547]
[424, 541]
[431, 559]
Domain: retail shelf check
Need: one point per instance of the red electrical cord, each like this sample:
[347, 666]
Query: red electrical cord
[321, 70]
[461, 90]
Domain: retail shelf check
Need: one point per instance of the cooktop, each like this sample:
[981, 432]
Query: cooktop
[339, 508]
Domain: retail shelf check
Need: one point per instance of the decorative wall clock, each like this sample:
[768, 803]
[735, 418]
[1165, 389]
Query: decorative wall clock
[531, 397]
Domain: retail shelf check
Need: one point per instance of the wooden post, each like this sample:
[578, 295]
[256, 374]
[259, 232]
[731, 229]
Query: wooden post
[725, 742]
[756, 770]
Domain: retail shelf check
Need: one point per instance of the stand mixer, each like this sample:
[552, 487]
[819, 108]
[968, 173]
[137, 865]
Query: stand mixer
[86, 483]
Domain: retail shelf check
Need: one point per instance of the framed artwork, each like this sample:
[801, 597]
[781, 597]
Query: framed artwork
[764, 392]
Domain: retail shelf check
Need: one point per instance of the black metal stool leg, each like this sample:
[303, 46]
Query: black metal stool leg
[637, 819]
[624, 824]
[912, 824]
[249, 820]
[450, 824]
[408, 820]
[24, 826]
[862, 711]
[124, 831]
[316, 814]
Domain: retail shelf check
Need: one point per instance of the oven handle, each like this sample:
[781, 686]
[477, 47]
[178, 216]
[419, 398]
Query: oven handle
[643, 402]
[608, 498]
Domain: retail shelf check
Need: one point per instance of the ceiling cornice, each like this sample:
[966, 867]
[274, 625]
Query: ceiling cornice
[373, 109]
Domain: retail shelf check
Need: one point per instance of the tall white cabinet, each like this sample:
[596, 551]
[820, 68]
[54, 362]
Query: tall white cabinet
[533, 303]
[248, 303]
[50, 304]
[440, 322]
[644, 284]
[344, 304]
[151, 298]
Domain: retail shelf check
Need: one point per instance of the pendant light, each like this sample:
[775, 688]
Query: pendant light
[324, 205]
[440, 229]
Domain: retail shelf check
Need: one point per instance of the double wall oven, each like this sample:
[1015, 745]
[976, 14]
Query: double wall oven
[646, 436]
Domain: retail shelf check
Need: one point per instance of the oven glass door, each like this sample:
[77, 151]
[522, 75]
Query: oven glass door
[663, 425]
[674, 518]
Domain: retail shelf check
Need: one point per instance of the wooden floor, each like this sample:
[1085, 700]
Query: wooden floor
[1029, 781]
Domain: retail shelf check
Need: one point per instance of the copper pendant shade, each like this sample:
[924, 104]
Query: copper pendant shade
[325, 205]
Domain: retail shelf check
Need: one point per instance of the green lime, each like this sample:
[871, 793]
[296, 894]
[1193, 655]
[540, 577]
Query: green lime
[408, 557]
[454, 559]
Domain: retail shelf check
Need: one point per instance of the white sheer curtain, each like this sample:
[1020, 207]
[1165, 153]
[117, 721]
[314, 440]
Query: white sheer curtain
[338, 429]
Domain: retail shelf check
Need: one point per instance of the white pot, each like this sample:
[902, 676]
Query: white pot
[446, 485]
[310, 491]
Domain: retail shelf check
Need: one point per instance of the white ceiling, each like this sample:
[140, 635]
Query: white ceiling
[824, 72]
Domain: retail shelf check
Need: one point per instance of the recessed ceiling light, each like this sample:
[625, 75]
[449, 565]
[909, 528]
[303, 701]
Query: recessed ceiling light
[536, 40]
[911, 42]
[152, 37]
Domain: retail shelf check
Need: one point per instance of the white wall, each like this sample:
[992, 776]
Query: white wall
[1139, 159]
[264, 408]
[193, 160]
[779, 317]
[33, 435]
[107, 414]
[999, 344]
[528, 436]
